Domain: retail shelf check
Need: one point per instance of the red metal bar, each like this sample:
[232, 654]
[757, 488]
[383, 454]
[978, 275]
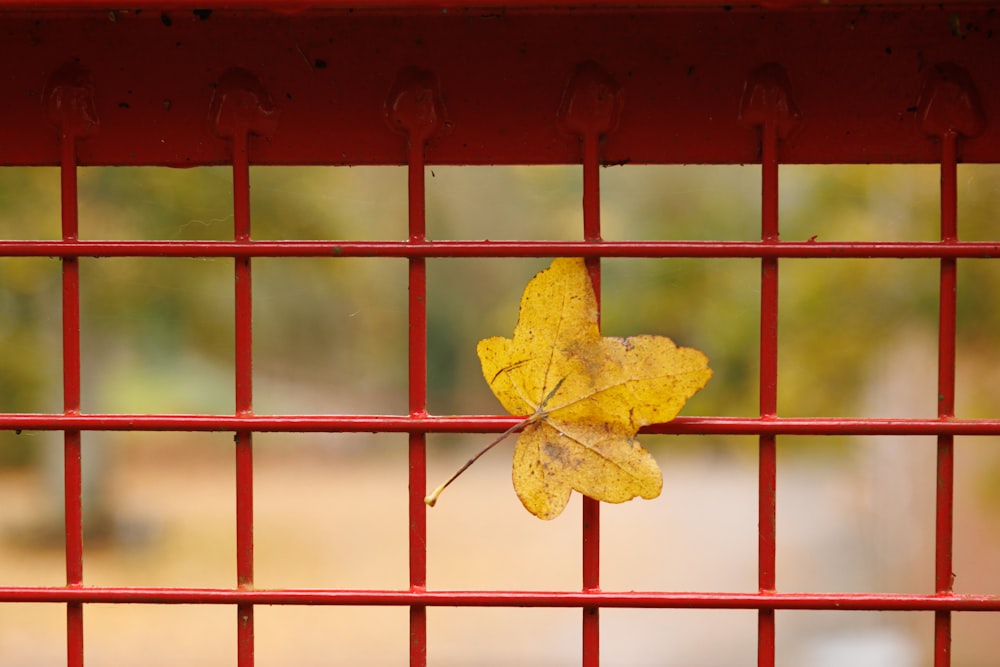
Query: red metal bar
[676, 63]
[240, 108]
[293, 7]
[73, 481]
[488, 424]
[943, 574]
[508, 598]
[244, 395]
[767, 504]
[949, 105]
[589, 110]
[487, 248]
[414, 109]
[767, 105]
[699, 249]
[591, 515]
[417, 403]
[69, 101]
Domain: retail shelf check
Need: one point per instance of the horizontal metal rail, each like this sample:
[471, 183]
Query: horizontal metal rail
[648, 249]
[681, 71]
[486, 424]
[507, 598]
[294, 7]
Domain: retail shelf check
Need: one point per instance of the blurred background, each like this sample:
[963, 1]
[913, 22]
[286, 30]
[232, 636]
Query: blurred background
[857, 339]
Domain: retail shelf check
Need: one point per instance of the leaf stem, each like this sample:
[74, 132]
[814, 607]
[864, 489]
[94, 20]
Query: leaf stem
[433, 497]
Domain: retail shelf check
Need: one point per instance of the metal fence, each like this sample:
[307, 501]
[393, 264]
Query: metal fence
[418, 84]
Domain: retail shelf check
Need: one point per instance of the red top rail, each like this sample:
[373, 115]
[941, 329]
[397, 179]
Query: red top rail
[297, 6]
[857, 76]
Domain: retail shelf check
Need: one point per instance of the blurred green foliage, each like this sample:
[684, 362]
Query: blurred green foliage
[330, 333]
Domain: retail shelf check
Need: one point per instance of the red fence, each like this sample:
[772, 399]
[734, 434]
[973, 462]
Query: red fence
[445, 84]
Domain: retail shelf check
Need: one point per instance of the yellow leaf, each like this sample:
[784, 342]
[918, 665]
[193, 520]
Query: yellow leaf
[584, 396]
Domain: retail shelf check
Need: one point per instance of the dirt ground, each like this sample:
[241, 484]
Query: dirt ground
[330, 514]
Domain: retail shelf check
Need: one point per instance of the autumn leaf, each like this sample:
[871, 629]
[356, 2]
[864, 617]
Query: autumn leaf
[584, 396]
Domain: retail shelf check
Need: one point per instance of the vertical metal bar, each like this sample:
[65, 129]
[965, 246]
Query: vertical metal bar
[239, 108]
[417, 402]
[591, 547]
[414, 109]
[943, 577]
[69, 99]
[71, 398]
[244, 396]
[948, 106]
[590, 109]
[766, 545]
[768, 104]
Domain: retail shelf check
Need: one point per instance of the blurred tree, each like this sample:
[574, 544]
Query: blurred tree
[29, 305]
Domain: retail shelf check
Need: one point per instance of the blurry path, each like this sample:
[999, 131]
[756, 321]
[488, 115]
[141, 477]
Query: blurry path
[338, 520]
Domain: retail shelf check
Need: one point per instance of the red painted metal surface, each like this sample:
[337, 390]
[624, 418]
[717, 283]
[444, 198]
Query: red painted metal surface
[293, 7]
[762, 106]
[509, 598]
[413, 109]
[69, 102]
[856, 74]
[605, 83]
[487, 424]
[239, 110]
[487, 248]
[590, 111]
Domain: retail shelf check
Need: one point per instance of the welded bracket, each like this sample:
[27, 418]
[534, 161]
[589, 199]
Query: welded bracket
[414, 106]
[767, 99]
[69, 101]
[241, 105]
[592, 102]
[949, 103]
